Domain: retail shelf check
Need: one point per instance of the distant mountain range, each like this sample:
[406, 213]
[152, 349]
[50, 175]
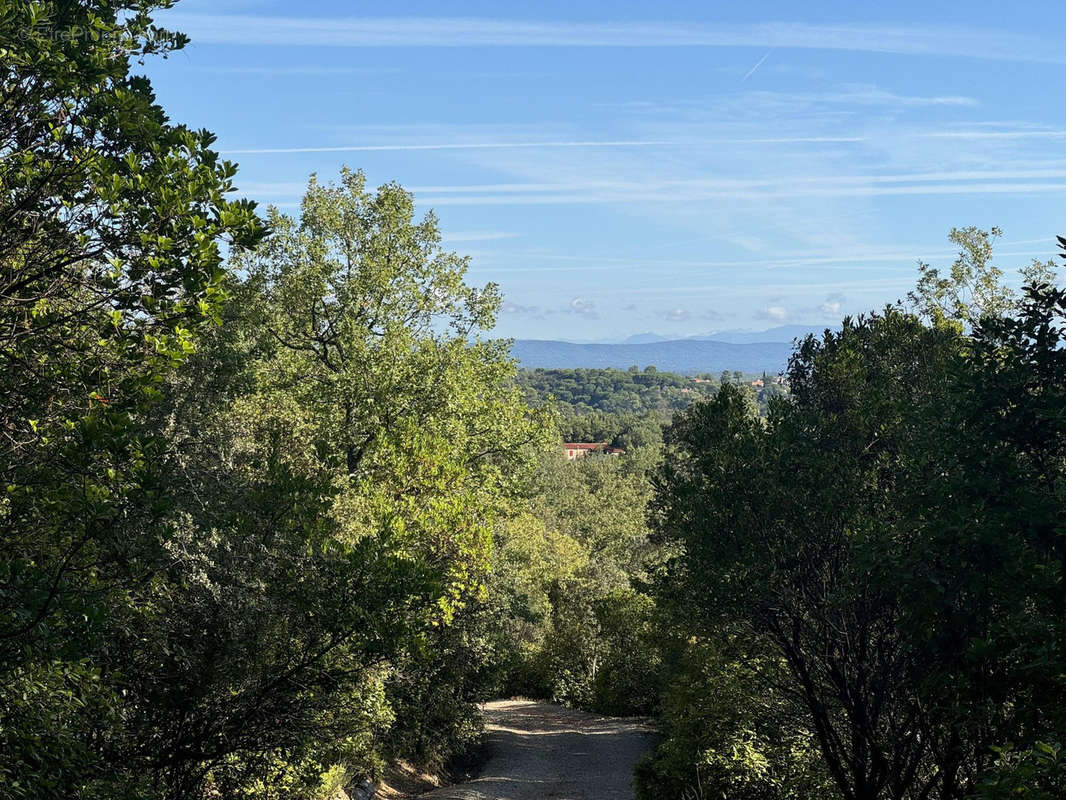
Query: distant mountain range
[678, 355]
[746, 351]
[782, 333]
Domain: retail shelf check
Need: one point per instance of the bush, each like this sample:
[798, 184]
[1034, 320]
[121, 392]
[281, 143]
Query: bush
[728, 734]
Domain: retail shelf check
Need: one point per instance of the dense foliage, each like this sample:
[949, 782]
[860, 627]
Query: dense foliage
[277, 512]
[613, 390]
[248, 507]
[571, 576]
[870, 592]
[110, 262]
[629, 408]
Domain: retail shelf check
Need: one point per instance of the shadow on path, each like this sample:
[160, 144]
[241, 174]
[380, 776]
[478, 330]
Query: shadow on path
[540, 751]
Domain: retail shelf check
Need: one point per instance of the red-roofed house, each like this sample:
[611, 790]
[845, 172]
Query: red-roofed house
[576, 450]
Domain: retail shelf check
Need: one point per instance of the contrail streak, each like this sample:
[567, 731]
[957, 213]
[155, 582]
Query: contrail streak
[759, 64]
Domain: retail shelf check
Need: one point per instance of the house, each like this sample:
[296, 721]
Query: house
[575, 450]
[757, 383]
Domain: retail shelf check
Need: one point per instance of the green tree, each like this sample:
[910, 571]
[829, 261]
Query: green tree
[889, 538]
[973, 287]
[110, 263]
[778, 523]
[371, 377]
[371, 369]
[592, 641]
[1012, 446]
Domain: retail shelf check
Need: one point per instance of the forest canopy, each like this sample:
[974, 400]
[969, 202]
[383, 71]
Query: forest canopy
[279, 511]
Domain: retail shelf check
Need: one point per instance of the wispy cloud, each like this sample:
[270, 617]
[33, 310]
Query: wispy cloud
[757, 101]
[473, 236]
[846, 260]
[1025, 178]
[370, 148]
[865, 95]
[523, 145]
[945, 40]
[672, 193]
[288, 70]
[515, 308]
[1023, 134]
[801, 284]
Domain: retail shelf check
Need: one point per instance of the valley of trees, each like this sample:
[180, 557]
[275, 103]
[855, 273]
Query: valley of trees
[278, 511]
[631, 408]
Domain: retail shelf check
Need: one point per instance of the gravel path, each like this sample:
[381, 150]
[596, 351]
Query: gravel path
[539, 751]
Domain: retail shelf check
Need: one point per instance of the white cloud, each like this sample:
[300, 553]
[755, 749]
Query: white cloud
[844, 94]
[237, 29]
[676, 315]
[812, 176]
[832, 305]
[525, 145]
[287, 71]
[774, 313]
[785, 189]
[583, 307]
[1024, 134]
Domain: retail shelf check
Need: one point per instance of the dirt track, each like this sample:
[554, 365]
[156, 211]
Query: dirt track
[540, 751]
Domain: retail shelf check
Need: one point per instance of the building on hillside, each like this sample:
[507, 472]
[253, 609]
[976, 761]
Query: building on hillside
[575, 450]
[758, 383]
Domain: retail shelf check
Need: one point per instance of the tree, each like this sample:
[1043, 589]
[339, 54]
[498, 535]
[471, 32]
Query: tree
[370, 380]
[780, 522]
[335, 458]
[112, 222]
[592, 640]
[889, 537]
[370, 369]
[973, 288]
[233, 558]
[112, 217]
[1012, 436]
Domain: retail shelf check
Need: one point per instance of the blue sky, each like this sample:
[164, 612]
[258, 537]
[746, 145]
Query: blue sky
[620, 168]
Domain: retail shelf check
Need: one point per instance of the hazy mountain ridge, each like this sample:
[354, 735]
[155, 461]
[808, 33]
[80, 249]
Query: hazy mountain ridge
[677, 355]
[782, 333]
